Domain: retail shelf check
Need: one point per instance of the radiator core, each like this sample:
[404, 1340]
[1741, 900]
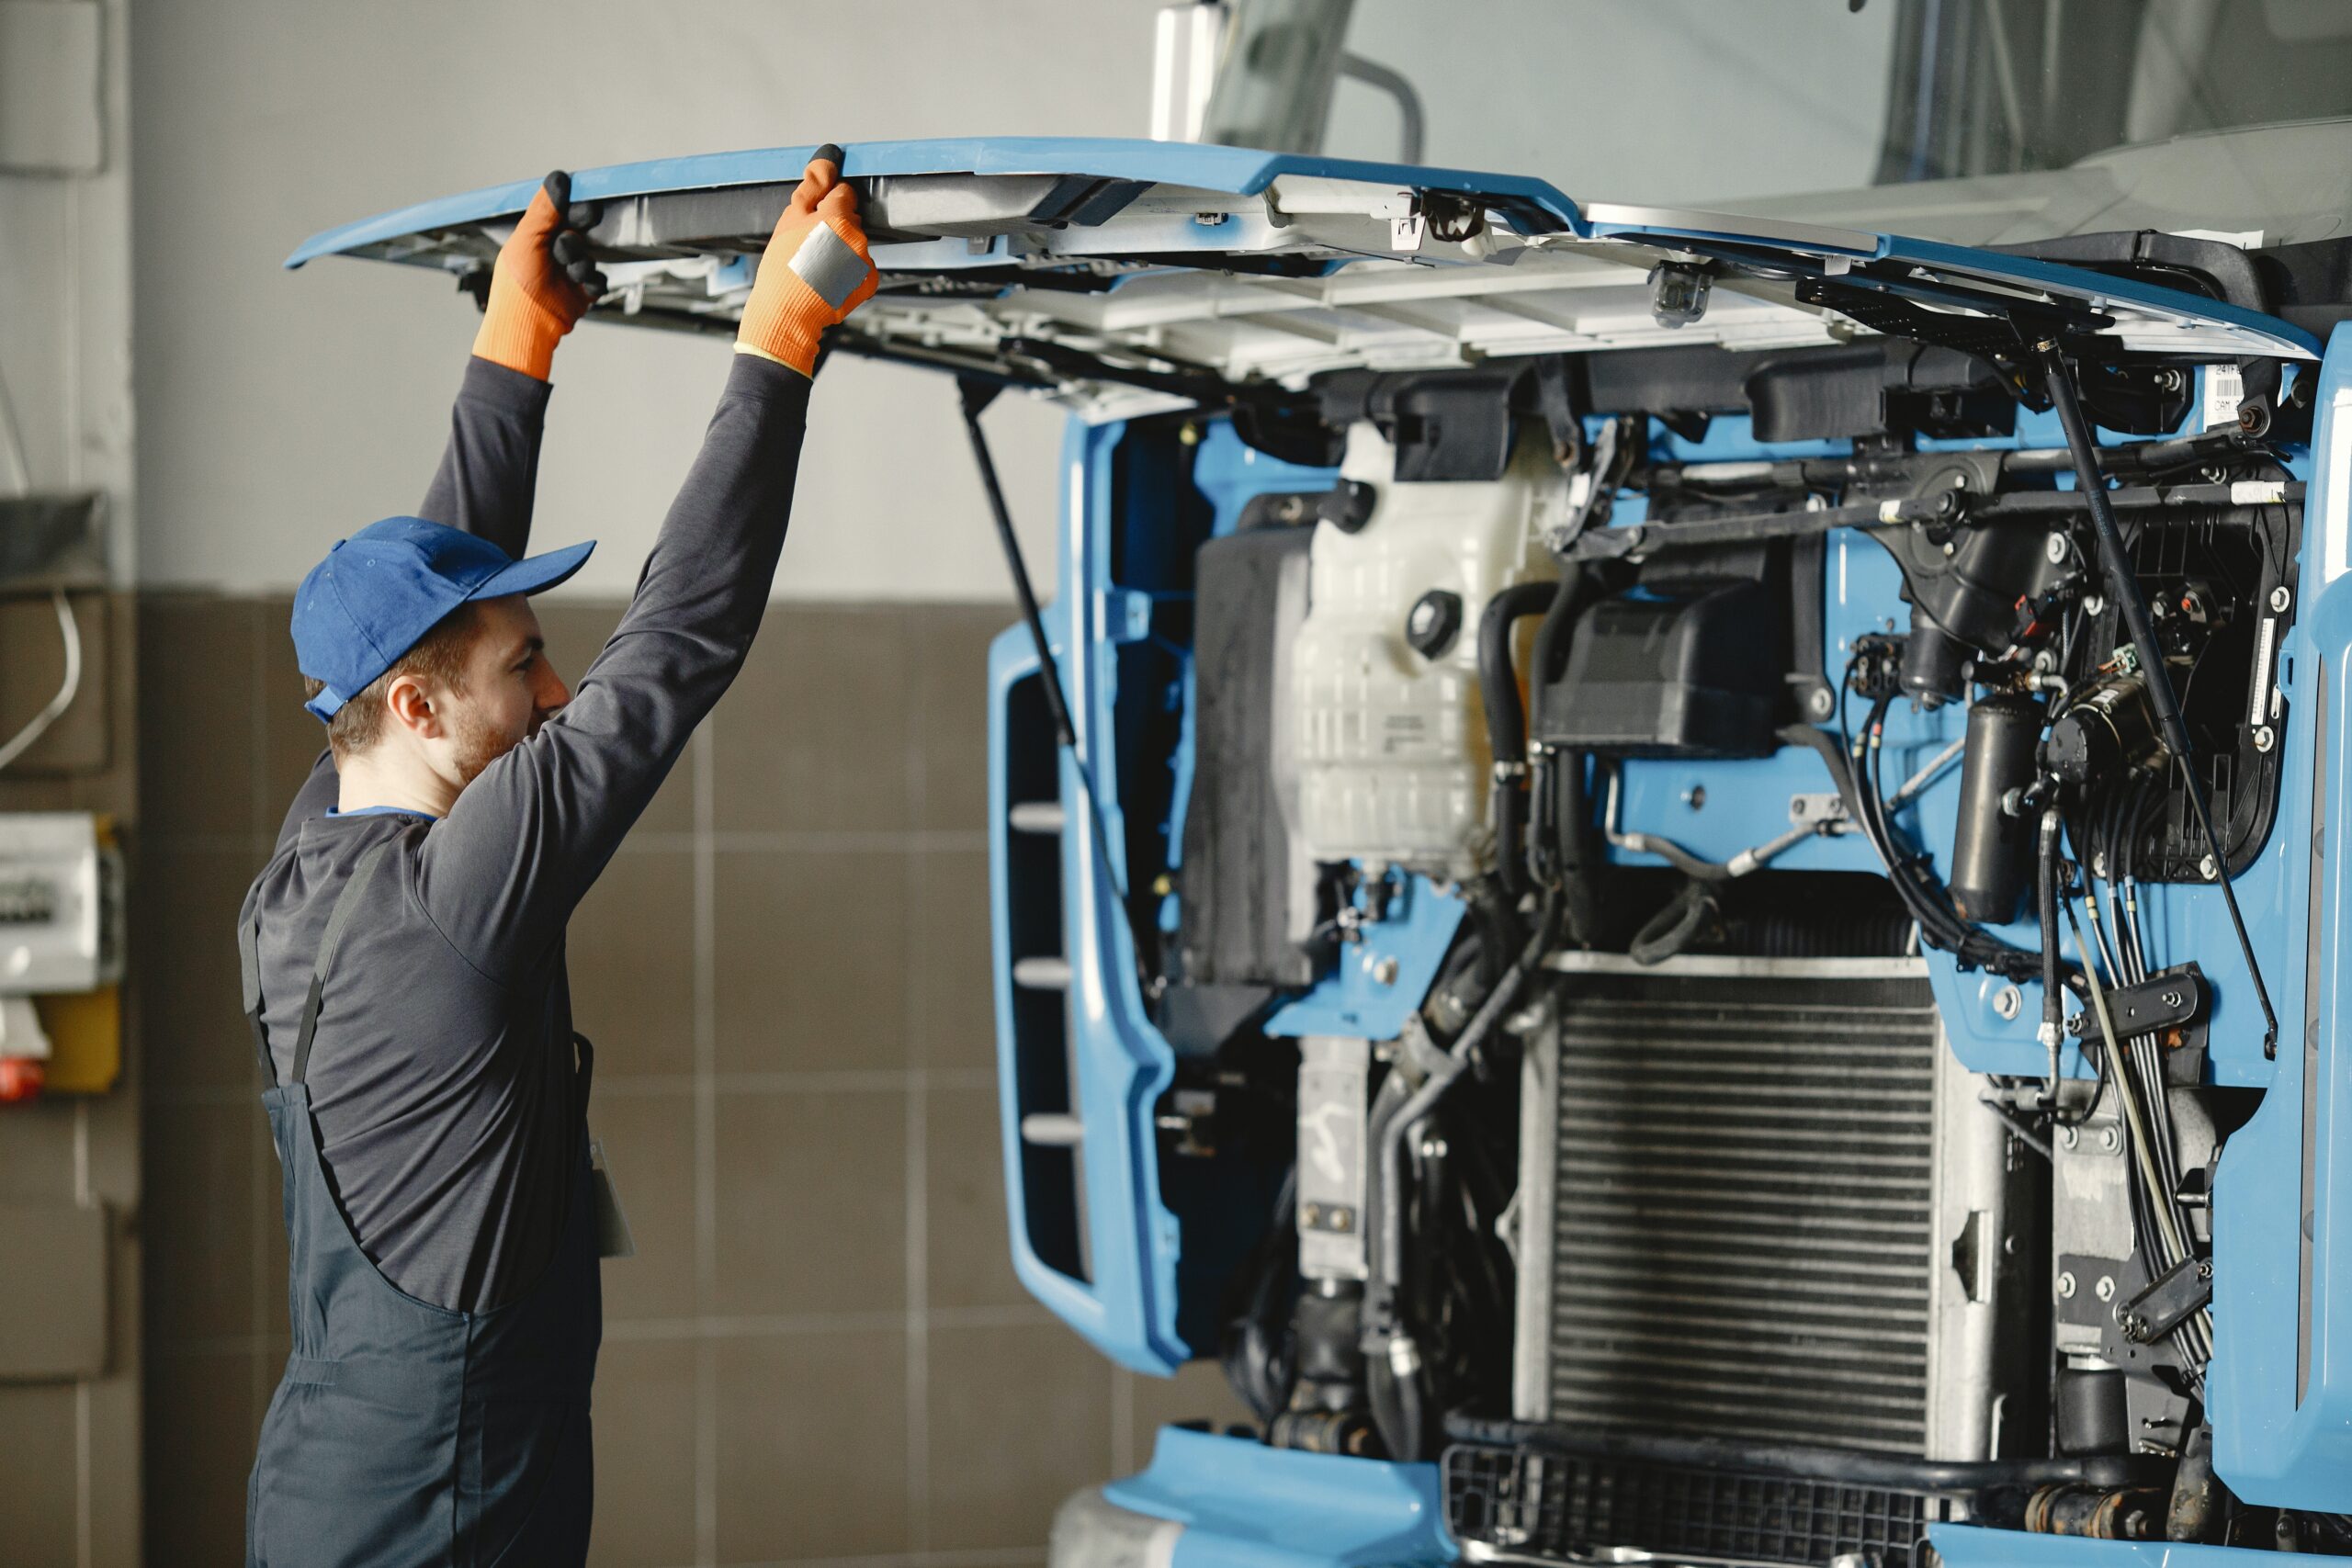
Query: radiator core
[1758, 1204]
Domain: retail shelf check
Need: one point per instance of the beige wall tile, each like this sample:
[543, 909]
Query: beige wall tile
[812, 1202]
[184, 908]
[198, 1224]
[955, 996]
[649, 1141]
[812, 1445]
[966, 1238]
[198, 724]
[645, 1454]
[630, 950]
[813, 734]
[812, 960]
[200, 1420]
[36, 1430]
[1020, 1418]
[951, 703]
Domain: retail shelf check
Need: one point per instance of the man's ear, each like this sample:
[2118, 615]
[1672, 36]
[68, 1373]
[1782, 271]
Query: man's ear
[411, 705]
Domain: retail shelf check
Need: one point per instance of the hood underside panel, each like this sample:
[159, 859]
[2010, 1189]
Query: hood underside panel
[1143, 265]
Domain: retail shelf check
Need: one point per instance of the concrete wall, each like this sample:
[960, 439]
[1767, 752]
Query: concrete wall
[285, 408]
[66, 384]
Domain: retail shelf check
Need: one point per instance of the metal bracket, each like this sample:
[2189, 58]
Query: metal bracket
[2160, 1003]
[2179, 1294]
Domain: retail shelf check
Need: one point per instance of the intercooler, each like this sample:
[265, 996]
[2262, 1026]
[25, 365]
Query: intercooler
[1758, 1203]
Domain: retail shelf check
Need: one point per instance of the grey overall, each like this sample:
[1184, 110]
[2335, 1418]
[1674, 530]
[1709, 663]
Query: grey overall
[405, 1433]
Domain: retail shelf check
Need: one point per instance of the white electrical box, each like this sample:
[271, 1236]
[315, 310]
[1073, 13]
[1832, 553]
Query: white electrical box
[60, 904]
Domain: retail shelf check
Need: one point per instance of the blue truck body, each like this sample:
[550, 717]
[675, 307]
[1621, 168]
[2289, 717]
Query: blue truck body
[1098, 1234]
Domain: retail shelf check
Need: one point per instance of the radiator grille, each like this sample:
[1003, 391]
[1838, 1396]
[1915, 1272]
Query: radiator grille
[1550, 1505]
[1742, 1207]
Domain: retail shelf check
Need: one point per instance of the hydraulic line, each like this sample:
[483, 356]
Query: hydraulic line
[2054, 1032]
[2125, 589]
[2134, 1113]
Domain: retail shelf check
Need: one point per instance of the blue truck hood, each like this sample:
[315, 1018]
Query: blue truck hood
[1112, 274]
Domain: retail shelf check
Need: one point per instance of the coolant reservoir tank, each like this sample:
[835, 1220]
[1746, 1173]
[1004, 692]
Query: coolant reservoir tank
[1393, 762]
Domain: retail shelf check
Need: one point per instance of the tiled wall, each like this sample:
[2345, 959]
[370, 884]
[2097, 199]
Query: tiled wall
[75, 1444]
[820, 1352]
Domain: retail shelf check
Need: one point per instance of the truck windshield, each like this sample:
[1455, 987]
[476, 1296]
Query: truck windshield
[1694, 102]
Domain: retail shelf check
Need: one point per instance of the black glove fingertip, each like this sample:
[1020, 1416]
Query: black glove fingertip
[584, 215]
[830, 152]
[557, 184]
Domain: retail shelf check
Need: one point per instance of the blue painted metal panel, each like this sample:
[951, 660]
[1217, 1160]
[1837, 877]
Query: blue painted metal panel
[1247, 1505]
[1531, 206]
[1534, 204]
[1407, 947]
[2271, 1444]
[1120, 1062]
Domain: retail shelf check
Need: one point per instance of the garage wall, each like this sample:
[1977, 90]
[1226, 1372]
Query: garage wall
[65, 425]
[819, 1351]
[285, 408]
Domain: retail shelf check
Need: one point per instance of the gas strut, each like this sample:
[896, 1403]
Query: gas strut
[977, 395]
[2125, 587]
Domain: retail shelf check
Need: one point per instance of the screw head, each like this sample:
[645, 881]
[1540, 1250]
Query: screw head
[1383, 972]
[2109, 1139]
[1823, 702]
[2056, 546]
[2279, 599]
[2068, 1137]
[2105, 1288]
[2209, 868]
[2066, 1286]
[2007, 1002]
[1695, 797]
[2263, 739]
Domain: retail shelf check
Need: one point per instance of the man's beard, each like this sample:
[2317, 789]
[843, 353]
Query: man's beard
[481, 743]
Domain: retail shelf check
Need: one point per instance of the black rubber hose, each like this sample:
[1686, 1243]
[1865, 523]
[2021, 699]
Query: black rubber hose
[1894, 1472]
[1571, 805]
[1506, 721]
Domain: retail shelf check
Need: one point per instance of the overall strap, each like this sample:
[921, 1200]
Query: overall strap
[249, 977]
[338, 919]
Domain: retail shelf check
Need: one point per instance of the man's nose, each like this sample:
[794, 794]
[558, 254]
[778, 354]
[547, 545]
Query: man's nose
[552, 692]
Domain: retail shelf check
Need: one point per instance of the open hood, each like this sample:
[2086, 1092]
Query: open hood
[1123, 278]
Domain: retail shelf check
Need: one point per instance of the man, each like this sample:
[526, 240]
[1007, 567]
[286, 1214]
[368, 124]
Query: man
[403, 951]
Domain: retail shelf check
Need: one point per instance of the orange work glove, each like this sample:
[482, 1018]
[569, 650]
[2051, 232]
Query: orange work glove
[815, 270]
[544, 282]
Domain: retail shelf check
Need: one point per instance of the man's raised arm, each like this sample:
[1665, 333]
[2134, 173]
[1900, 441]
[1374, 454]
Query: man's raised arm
[543, 282]
[529, 835]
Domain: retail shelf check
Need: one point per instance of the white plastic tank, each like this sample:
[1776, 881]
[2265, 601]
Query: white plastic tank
[1392, 755]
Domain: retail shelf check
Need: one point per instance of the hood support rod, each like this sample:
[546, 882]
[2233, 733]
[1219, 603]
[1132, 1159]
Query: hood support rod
[977, 396]
[2125, 588]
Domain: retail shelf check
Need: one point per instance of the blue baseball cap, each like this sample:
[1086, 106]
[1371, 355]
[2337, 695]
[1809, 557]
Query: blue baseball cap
[381, 590]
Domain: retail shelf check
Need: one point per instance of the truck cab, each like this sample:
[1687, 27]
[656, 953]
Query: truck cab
[1672, 872]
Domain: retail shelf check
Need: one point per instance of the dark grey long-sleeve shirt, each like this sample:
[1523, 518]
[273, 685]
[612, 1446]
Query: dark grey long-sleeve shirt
[441, 1071]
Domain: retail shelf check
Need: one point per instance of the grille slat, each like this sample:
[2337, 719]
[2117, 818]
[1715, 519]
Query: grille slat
[1552, 1505]
[1741, 1239]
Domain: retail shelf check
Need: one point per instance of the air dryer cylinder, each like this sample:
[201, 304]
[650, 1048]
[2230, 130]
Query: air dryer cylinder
[1991, 852]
